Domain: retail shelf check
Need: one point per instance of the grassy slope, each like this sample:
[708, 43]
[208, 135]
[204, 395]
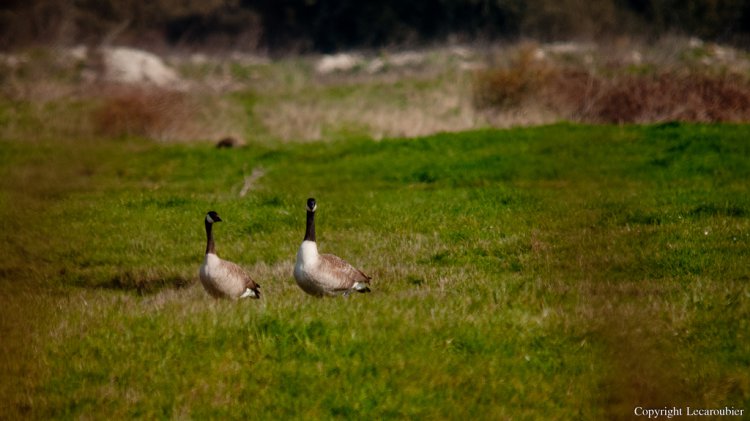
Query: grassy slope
[562, 271]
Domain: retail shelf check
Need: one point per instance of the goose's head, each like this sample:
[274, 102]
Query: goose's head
[311, 205]
[212, 217]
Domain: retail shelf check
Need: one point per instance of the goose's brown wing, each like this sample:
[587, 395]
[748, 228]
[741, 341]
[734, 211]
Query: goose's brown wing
[344, 274]
[236, 272]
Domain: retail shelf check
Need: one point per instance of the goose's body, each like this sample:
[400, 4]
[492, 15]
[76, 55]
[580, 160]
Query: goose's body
[222, 278]
[325, 274]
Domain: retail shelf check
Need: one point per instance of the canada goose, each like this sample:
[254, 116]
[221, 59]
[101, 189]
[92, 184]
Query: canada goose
[221, 278]
[324, 274]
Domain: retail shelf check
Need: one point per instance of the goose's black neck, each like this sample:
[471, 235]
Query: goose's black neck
[210, 248]
[310, 230]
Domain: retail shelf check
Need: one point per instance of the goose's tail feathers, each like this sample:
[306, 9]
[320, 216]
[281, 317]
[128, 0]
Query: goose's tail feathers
[251, 293]
[361, 287]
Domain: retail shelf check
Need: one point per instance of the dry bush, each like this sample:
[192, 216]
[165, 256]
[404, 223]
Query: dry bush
[148, 112]
[669, 96]
[504, 87]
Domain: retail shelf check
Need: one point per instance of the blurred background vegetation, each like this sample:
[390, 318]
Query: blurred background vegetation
[329, 26]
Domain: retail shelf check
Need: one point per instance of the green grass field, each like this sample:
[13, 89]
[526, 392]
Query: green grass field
[558, 272]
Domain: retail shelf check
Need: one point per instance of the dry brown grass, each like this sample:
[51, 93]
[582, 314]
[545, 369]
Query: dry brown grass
[422, 113]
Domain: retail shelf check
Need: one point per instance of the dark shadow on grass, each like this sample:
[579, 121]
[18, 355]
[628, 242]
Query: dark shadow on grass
[624, 304]
[642, 366]
[146, 282]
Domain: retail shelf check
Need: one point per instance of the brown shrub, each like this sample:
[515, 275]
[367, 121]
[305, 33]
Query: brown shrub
[670, 96]
[148, 112]
[581, 95]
